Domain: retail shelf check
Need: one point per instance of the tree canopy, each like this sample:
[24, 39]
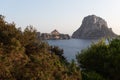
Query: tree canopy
[101, 59]
[24, 57]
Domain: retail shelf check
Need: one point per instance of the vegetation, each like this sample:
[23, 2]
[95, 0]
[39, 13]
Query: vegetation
[101, 61]
[24, 57]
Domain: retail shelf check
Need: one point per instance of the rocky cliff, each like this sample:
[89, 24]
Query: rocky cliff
[93, 27]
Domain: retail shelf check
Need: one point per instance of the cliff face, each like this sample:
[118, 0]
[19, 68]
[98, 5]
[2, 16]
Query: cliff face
[93, 27]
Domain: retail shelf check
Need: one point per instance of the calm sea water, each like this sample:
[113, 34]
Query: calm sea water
[71, 47]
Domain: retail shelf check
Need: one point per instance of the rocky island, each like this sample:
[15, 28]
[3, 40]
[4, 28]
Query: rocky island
[93, 27]
[54, 35]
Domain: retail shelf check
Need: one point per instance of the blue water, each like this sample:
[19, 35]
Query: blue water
[71, 47]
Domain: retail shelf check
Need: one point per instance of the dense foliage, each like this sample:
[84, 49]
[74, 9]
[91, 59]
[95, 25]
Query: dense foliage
[24, 57]
[100, 61]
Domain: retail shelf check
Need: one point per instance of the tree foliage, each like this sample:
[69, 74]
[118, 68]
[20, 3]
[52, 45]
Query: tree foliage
[24, 57]
[101, 58]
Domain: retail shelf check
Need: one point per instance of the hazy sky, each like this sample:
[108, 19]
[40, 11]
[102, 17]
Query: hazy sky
[64, 15]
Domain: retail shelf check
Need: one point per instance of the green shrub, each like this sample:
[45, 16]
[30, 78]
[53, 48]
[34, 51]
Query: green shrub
[102, 58]
[24, 57]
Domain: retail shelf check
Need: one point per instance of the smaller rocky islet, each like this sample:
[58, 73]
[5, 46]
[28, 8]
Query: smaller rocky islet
[54, 35]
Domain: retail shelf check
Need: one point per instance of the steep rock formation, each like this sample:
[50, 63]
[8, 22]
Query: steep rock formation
[93, 27]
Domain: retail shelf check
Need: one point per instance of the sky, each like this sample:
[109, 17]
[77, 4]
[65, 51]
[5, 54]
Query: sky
[64, 15]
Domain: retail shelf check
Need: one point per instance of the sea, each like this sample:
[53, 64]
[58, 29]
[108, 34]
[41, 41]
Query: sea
[72, 47]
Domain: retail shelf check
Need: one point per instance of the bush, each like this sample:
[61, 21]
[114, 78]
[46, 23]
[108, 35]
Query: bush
[101, 58]
[91, 76]
[24, 57]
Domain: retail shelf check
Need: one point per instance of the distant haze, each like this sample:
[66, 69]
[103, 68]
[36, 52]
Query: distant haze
[64, 15]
